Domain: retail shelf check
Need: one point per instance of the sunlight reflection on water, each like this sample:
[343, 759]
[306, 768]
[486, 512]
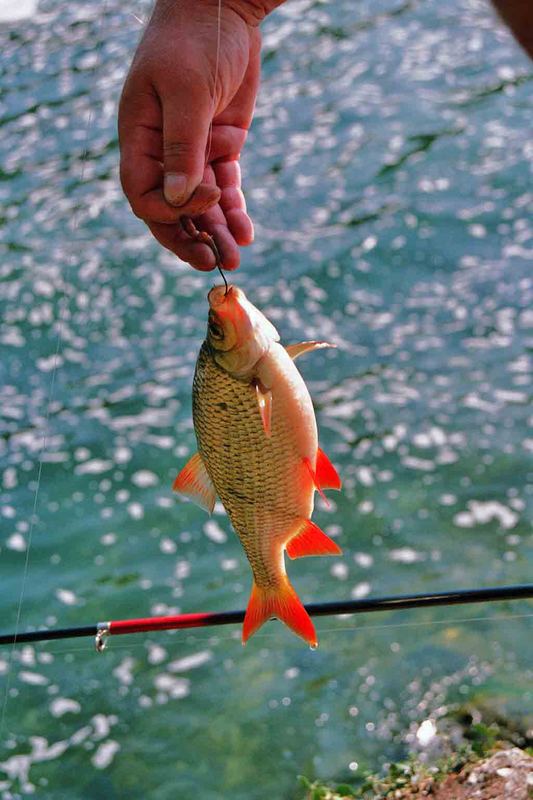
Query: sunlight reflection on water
[387, 175]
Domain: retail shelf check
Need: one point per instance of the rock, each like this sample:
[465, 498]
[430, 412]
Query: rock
[505, 775]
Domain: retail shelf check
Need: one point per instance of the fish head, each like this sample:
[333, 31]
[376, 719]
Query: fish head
[238, 333]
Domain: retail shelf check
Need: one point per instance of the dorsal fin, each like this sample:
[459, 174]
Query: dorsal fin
[295, 350]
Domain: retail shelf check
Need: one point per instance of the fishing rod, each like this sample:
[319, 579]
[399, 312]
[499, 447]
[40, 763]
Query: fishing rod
[102, 630]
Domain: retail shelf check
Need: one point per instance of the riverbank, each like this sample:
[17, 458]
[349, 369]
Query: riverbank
[489, 761]
[506, 774]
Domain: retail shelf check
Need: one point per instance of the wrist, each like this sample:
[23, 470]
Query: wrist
[252, 11]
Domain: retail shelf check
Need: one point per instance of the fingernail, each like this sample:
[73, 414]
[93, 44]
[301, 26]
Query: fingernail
[175, 188]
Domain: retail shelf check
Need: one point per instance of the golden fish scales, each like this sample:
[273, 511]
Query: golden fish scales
[258, 451]
[253, 474]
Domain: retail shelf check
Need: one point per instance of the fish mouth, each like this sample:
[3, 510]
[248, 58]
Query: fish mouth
[219, 295]
[227, 314]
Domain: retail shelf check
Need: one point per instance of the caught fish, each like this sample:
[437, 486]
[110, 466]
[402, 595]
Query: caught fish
[258, 451]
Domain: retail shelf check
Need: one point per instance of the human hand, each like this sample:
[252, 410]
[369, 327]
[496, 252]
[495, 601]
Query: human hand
[183, 120]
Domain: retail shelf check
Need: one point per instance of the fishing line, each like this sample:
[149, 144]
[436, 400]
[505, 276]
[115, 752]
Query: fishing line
[217, 57]
[219, 27]
[59, 340]
[450, 621]
[186, 222]
[30, 533]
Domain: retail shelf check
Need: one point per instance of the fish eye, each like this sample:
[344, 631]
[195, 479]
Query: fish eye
[215, 329]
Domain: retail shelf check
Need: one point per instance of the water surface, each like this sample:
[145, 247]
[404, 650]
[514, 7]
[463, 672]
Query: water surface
[387, 173]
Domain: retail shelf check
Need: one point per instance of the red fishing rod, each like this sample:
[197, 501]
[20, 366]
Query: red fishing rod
[102, 630]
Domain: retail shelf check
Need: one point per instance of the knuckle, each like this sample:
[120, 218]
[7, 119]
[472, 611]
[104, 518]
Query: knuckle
[177, 149]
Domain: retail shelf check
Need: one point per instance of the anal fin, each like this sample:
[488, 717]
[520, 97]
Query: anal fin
[194, 482]
[309, 540]
[326, 474]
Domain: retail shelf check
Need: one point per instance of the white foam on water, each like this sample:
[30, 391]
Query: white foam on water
[123, 672]
[94, 467]
[406, 555]
[105, 754]
[339, 570]
[16, 542]
[360, 590]
[64, 705]
[33, 678]
[66, 596]
[426, 732]
[172, 686]
[479, 513]
[214, 532]
[144, 478]
[190, 662]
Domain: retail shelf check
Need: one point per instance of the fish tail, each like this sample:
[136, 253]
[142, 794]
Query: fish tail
[279, 601]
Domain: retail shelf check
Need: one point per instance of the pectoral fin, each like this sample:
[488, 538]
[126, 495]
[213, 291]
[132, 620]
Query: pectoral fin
[194, 482]
[309, 540]
[295, 350]
[264, 401]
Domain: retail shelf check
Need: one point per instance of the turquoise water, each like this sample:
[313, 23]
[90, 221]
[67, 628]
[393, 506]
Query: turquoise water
[387, 173]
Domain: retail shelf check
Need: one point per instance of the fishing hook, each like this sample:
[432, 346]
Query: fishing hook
[191, 230]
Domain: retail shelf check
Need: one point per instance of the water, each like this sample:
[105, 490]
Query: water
[387, 173]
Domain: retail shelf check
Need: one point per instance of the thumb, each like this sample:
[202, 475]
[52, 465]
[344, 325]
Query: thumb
[186, 123]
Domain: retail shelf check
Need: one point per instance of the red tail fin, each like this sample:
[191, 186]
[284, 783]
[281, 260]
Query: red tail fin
[278, 601]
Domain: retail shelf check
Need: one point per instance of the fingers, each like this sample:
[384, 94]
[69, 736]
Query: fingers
[232, 202]
[164, 132]
[142, 171]
[146, 154]
[187, 115]
[226, 220]
[214, 223]
[226, 142]
[199, 256]
[153, 207]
